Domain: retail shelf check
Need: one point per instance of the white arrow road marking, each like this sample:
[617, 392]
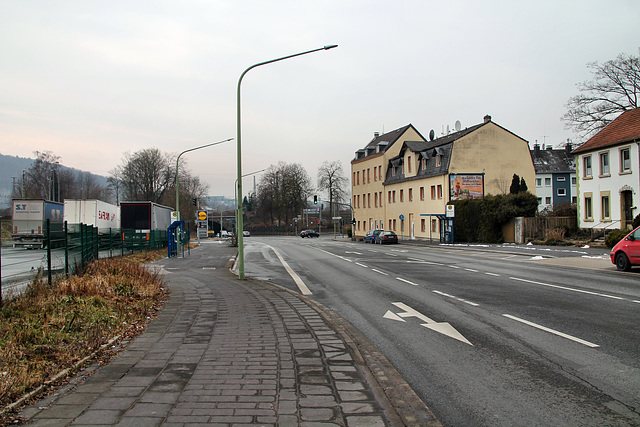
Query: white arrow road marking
[553, 331]
[441, 327]
[391, 315]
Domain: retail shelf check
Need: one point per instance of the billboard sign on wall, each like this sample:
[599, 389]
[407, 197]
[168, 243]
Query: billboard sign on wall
[466, 186]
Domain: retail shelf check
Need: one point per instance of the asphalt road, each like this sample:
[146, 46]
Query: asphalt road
[485, 337]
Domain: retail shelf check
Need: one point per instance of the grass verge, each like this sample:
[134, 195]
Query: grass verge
[49, 329]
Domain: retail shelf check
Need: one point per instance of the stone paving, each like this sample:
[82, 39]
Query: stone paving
[230, 352]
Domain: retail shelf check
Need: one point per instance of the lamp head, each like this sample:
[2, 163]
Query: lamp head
[330, 46]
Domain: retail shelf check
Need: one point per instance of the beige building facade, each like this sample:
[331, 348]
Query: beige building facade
[403, 182]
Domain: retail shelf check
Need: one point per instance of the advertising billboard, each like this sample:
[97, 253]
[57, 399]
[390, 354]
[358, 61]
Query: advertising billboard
[466, 186]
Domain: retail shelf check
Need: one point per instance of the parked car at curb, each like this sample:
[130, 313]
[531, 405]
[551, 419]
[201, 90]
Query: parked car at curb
[386, 237]
[370, 237]
[309, 233]
[626, 253]
[246, 233]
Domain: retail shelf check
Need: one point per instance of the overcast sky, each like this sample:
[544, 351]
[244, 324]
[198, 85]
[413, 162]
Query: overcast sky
[91, 80]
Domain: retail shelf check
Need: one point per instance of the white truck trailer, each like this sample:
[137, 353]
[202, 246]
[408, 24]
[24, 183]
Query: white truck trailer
[102, 215]
[29, 221]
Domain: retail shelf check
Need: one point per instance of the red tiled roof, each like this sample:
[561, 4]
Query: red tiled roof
[625, 128]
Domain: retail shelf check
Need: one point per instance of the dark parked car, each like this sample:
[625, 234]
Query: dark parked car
[387, 237]
[309, 233]
[370, 237]
[626, 252]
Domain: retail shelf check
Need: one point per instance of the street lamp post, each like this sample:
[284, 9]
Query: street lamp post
[177, 163]
[239, 224]
[236, 196]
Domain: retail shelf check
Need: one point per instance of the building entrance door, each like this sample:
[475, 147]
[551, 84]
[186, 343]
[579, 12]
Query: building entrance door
[626, 203]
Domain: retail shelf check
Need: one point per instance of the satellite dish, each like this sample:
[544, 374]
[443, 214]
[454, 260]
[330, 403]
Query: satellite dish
[432, 134]
[458, 125]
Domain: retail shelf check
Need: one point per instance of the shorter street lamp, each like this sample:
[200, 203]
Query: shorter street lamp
[177, 164]
[239, 211]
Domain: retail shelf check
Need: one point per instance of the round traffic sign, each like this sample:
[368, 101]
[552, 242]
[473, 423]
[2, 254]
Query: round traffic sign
[202, 215]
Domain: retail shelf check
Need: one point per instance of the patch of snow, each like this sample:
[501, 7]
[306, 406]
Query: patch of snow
[586, 247]
[536, 258]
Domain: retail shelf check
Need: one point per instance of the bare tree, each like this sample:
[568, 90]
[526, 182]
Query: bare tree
[614, 90]
[145, 175]
[282, 192]
[331, 179]
[40, 180]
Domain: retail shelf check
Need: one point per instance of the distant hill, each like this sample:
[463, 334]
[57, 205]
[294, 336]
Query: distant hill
[12, 166]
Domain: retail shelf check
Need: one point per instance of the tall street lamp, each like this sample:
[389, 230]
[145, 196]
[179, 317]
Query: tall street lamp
[239, 224]
[177, 163]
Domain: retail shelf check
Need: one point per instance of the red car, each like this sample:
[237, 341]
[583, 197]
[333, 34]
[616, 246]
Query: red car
[626, 252]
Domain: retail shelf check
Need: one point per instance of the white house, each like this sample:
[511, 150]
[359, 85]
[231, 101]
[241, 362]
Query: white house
[608, 171]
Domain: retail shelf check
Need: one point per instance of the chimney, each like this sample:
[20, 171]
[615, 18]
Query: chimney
[376, 134]
[568, 148]
[536, 149]
[487, 118]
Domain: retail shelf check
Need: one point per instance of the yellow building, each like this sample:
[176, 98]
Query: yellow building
[402, 182]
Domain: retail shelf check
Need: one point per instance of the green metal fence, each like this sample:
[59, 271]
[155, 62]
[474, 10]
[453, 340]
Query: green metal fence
[65, 248]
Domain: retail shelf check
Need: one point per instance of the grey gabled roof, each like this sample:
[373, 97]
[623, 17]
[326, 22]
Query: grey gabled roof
[553, 161]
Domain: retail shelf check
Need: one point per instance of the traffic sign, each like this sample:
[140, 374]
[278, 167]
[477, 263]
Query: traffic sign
[202, 215]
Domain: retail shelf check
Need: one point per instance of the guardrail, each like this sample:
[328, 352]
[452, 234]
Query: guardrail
[66, 249]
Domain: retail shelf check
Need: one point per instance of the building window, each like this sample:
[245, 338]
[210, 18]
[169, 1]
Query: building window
[368, 176]
[354, 201]
[411, 194]
[547, 200]
[423, 225]
[538, 182]
[409, 163]
[434, 225]
[561, 179]
[547, 182]
[588, 207]
[438, 160]
[390, 225]
[401, 195]
[402, 226]
[421, 193]
[394, 225]
[539, 200]
[574, 199]
[358, 202]
[389, 196]
[433, 192]
[587, 167]
[381, 198]
[375, 197]
[358, 180]
[625, 160]
[562, 192]
[368, 200]
[380, 172]
[574, 180]
[606, 208]
[424, 164]
[393, 193]
[604, 164]
[439, 191]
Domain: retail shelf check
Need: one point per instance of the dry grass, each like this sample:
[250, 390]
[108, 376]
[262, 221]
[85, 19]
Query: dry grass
[49, 329]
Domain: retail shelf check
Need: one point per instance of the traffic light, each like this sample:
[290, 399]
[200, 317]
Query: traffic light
[195, 201]
[315, 200]
[353, 221]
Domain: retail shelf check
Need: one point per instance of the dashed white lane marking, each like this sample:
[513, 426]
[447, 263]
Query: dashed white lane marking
[553, 331]
[361, 265]
[301, 285]
[406, 281]
[378, 271]
[456, 298]
[492, 274]
[567, 288]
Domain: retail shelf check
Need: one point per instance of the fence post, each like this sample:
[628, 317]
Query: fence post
[48, 243]
[66, 249]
